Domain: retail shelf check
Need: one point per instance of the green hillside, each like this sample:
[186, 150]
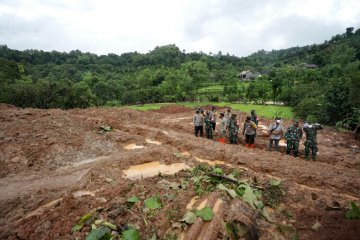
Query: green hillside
[320, 81]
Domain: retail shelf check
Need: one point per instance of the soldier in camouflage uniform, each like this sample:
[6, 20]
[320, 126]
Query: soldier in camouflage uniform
[233, 129]
[311, 143]
[293, 136]
[209, 125]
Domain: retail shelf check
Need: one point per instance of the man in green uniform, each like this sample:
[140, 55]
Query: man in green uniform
[233, 130]
[209, 125]
[293, 136]
[311, 143]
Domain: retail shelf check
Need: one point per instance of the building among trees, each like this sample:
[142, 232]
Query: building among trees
[248, 75]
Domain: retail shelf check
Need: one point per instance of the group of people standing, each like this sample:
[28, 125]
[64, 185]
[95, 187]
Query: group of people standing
[229, 126]
[293, 136]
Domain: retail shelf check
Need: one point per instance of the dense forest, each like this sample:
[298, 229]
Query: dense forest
[320, 81]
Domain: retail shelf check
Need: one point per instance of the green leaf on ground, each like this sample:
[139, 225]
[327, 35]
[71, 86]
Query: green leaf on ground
[130, 234]
[231, 192]
[153, 203]
[240, 190]
[248, 195]
[83, 220]
[110, 225]
[206, 213]
[102, 233]
[259, 204]
[217, 170]
[133, 199]
[177, 154]
[266, 215]
[189, 218]
[354, 213]
[86, 217]
[98, 222]
[275, 182]
[285, 229]
[232, 177]
[77, 227]
[257, 193]
[170, 196]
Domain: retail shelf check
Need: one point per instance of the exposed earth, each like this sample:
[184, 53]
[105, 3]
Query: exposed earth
[57, 165]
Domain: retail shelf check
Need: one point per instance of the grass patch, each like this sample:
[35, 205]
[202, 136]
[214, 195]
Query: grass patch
[219, 88]
[268, 111]
[147, 107]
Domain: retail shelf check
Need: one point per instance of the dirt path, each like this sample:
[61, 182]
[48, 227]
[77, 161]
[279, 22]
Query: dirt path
[49, 155]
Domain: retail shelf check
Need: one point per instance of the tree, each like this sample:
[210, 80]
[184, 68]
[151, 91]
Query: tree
[338, 99]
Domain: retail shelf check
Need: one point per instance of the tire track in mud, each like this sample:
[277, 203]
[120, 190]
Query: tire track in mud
[12, 187]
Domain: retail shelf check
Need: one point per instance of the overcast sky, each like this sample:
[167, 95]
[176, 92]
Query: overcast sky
[238, 27]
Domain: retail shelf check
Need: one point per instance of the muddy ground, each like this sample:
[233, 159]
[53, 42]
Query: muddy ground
[58, 165]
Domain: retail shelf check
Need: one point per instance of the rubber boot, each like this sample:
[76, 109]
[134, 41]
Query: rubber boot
[252, 145]
[246, 145]
[314, 157]
[288, 152]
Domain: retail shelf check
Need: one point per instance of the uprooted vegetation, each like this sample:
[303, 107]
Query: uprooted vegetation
[206, 214]
[125, 174]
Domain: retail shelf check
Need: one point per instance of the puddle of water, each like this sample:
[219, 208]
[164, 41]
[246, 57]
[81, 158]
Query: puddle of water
[133, 146]
[152, 169]
[152, 141]
[81, 193]
[192, 202]
[89, 161]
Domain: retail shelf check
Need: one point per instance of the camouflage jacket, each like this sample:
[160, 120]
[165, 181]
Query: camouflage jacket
[295, 133]
[208, 122]
[233, 127]
[312, 132]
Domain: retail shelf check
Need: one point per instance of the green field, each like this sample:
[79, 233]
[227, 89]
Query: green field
[218, 87]
[269, 111]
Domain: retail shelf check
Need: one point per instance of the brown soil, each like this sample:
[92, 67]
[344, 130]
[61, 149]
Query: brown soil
[48, 155]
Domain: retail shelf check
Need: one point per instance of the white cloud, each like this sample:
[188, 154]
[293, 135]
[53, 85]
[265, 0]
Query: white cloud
[233, 26]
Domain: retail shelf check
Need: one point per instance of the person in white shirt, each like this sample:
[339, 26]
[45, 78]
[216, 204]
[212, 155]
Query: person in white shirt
[276, 131]
[198, 121]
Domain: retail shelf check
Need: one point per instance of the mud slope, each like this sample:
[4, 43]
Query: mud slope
[58, 165]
